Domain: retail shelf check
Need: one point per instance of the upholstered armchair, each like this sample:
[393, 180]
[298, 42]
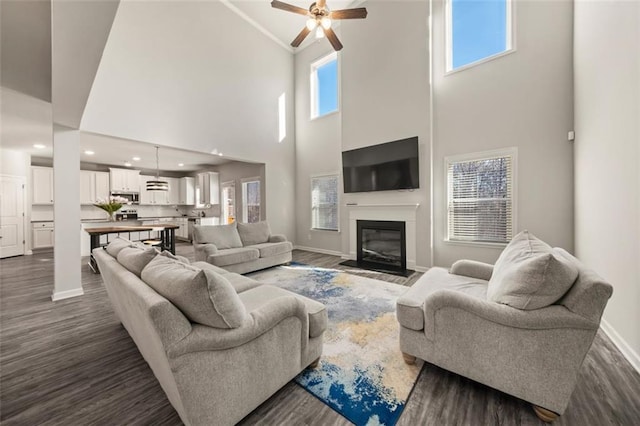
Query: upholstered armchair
[526, 335]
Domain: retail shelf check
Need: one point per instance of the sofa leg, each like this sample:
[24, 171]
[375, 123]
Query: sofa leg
[314, 364]
[545, 415]
[409, 359]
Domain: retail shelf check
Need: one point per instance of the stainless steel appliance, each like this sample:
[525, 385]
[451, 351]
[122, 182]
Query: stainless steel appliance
[128, 214]
[131, 197]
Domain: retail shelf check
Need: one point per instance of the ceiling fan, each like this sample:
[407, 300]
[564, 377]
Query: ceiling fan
[320, 17]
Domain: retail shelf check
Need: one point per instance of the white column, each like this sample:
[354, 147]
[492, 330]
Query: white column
[66, 213]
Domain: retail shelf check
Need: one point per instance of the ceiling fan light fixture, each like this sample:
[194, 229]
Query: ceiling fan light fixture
[325, 22]
[311, 24]
[319, 32]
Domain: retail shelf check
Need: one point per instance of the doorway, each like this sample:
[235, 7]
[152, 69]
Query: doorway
[12, 235]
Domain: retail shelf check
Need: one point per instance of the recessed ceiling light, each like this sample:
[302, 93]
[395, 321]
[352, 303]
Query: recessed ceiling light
[220, 154]
[88, 152]
[136, 158]
[180, 164]
[39, 146]
[127, 164]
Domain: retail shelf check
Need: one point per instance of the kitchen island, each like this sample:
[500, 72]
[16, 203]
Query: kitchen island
[167, 236]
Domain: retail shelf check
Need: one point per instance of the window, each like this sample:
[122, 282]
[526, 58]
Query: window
[477, 30]
[324, 202]
[480, 197]
[228, 202]
[324, 86]
[251, 200]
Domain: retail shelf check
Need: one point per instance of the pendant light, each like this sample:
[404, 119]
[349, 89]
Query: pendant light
[157, 185]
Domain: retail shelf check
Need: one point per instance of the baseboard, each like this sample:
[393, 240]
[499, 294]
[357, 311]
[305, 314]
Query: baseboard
[66, 294]
[621, 344]
[318, 250]
[421, 268]
[28, 252]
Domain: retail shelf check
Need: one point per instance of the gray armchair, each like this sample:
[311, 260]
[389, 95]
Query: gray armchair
[535, 355]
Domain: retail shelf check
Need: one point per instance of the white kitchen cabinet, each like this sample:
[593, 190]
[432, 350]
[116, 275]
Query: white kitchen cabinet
[42, 233]
[124, 180]
[93, 186]
[207, 189]
[187, 191]
[41, 185]
[173, 196]
[183, 231]
[146, 197]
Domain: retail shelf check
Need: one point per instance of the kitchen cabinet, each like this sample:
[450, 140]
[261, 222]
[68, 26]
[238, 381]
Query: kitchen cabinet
[207, 189]
[173, 196]
[41, 185]
[42, 233]
[124, 180]
[183, 231]
[187, 191]
[93, 186]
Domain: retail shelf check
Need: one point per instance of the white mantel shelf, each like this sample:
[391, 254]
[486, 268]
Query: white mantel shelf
[411, 205]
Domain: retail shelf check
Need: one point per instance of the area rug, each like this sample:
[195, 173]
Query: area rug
[362, 374]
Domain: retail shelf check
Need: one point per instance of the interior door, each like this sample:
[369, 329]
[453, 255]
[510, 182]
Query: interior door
[11, 216]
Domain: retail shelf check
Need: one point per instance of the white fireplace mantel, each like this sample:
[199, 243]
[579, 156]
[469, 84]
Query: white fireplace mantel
[399, 212]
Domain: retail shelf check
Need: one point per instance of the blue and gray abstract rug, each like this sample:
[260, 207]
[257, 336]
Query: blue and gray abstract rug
[362, 374]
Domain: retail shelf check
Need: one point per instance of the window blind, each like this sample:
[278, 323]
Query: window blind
[480, 200]
[324, 202]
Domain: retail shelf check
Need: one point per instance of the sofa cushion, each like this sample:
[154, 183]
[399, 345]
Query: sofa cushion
[529, 274]
[221, 236]
[136, 258]
[239, 282]
[205, 265]
[259, 296]
[204, 296]
[273, 249]
[170, 255]
[410, 306]
[114, 247]
[254, 233]
[233, 256]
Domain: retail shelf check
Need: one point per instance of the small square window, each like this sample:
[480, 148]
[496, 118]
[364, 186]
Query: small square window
[477, 30]
[324, 86]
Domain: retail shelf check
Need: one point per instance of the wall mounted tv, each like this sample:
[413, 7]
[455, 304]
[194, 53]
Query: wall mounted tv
[384, 167]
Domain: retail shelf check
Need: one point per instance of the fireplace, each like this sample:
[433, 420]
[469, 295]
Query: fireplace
[381, 246]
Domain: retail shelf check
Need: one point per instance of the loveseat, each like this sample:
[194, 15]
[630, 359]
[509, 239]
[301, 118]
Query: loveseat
[240, 247]
[219, 343]
[523, 326]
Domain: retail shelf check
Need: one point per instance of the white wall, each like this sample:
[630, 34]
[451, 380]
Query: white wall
[385, 97]
[194, 75]
[523, 99]
[236, 172]
[318, 148]
[607, 158]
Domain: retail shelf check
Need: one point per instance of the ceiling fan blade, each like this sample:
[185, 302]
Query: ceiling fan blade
[357, 13]
[300, 38]
[333, 38]
[289, 7]
[320, 4]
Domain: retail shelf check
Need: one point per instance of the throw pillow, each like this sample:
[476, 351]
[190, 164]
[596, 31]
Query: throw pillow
[114, 247]
[204, 296]
[136, 258]
[222, 236]
[529, 274]
[254, 233]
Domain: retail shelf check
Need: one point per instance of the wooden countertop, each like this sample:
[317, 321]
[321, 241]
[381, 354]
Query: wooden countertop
[131, 228]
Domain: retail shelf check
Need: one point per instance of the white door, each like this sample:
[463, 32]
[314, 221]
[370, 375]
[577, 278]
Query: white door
[11, 216]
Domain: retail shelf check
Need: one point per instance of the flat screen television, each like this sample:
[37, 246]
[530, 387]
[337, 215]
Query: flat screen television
[385, 167]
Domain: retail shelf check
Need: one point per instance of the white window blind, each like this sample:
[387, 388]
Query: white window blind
[324, 202]
[480, 199]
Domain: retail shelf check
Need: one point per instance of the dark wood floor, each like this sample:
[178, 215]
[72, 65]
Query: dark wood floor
[71, 363]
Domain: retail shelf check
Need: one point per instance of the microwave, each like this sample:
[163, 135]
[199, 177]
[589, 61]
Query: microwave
[131, 197]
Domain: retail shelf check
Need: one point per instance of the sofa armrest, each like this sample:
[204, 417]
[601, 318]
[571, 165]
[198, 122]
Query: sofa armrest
[203, 251]
[551, 317]
[277, 238]
[261, 320]
[472, 269]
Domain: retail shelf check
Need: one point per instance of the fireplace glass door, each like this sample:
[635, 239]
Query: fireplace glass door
[382, 243]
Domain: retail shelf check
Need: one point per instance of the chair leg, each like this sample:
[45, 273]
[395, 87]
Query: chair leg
[314, 364]
[409, 359]
[545, 415]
